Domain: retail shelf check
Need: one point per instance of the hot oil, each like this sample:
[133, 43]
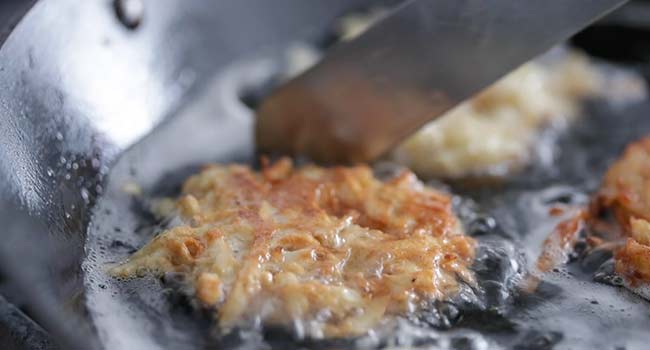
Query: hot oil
[509, 219]
[153, 313]
[138, 313]
[161, 303]
[569, 308]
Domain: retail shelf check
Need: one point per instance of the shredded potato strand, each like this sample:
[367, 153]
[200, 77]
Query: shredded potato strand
[332, 248]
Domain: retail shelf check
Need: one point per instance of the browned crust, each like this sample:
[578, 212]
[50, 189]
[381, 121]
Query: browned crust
[626, 194]
[626, 186]
[286, 244]
[561, 241]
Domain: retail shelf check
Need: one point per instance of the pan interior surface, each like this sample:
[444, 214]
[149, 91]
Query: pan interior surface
[79, 87]
[509, 219]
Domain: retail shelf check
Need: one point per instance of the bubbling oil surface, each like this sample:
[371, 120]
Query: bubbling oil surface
[509, 219]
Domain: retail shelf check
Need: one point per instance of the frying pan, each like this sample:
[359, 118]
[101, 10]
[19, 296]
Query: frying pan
[79, 92]
[79, 88]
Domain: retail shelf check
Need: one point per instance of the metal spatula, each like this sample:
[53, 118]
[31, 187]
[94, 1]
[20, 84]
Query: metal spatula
[416, 63]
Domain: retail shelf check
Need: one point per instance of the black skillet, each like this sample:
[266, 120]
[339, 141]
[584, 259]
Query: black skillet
[70, 68]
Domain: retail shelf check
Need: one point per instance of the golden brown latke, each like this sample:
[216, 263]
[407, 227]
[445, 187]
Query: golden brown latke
[626, 191]
[328, 250]
[626, 187]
